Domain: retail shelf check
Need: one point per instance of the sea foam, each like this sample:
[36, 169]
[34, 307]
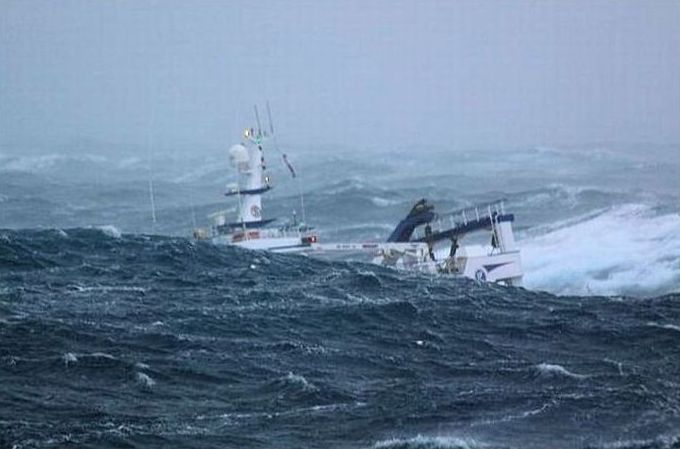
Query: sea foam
[624, 250]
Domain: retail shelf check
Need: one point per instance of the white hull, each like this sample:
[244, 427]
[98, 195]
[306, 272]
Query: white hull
[484, 265]
[274, 244]
[474, 262]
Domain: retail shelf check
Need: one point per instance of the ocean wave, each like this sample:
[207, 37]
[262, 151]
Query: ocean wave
[555, 370]
[210, 351]
[299, 381]
[629, 249]
[107, 288]
[597, 153]
[664, 442]
[428, 442]
[46, 162]
[384, 202]
[558, 196]
[111, 231]
[69, 358]
[144, 380]
[671, 327]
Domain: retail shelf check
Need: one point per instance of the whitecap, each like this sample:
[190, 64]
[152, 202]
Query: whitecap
[383, 202]
[618, 365]
[69, 358]
[426, 442]
[102, 355]
[111, 231]
[628, 249]
[522, 415]
[300, 381]
[549, 369]
[145, 380]
[106, 288]
[670, 327]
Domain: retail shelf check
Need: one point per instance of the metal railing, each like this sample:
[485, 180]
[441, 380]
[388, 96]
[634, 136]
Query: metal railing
[450, 220]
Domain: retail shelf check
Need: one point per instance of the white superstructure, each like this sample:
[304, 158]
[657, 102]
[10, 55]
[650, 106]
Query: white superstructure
[250, 229]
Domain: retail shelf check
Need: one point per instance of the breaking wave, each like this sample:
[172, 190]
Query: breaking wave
[629, 249]
[553, 370]
[47, 162]
[110, 231]
[423, 442]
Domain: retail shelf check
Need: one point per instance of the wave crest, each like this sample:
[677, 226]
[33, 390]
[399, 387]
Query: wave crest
[427, 442]
[627, 249]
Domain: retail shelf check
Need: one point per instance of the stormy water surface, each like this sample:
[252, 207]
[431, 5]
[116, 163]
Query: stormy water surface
[116, 332]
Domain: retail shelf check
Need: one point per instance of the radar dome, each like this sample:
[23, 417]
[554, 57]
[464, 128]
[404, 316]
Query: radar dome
[238, 156]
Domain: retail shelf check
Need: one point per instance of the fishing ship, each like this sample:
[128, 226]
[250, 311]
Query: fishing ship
[250, 229]
[424, 241]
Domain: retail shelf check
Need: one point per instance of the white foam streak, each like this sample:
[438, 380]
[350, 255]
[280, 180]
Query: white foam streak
[145, 380]
[670, 327]
[549, 369]
[425, 442]
[624, 250]
[69, 358]
[383, 202]
[300, 381]
[111, 231]
[45, 162]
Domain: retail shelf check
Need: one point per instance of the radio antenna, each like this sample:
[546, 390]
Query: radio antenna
[152, 199]
[149, 144]
[285, 161]
[257, 118]
[269, 116]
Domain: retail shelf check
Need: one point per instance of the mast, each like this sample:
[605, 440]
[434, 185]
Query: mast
[248, 158]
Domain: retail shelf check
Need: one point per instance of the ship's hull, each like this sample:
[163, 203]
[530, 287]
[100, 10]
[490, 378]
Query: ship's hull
[274, 244]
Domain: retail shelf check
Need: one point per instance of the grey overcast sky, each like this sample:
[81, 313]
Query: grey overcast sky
[489, 73]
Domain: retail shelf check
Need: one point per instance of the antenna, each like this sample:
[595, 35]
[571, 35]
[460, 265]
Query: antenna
[271, 123]
[151, 121]
[152, 199]
[153, 204]
[283, 156]
[257, 118]
[302, 201]
[193, 208]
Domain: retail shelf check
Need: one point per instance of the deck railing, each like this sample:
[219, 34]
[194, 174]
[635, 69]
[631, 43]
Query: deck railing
[450, 220]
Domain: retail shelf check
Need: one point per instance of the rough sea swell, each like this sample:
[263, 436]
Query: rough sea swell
[589, 221]
[136, 341]
[120, 339]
